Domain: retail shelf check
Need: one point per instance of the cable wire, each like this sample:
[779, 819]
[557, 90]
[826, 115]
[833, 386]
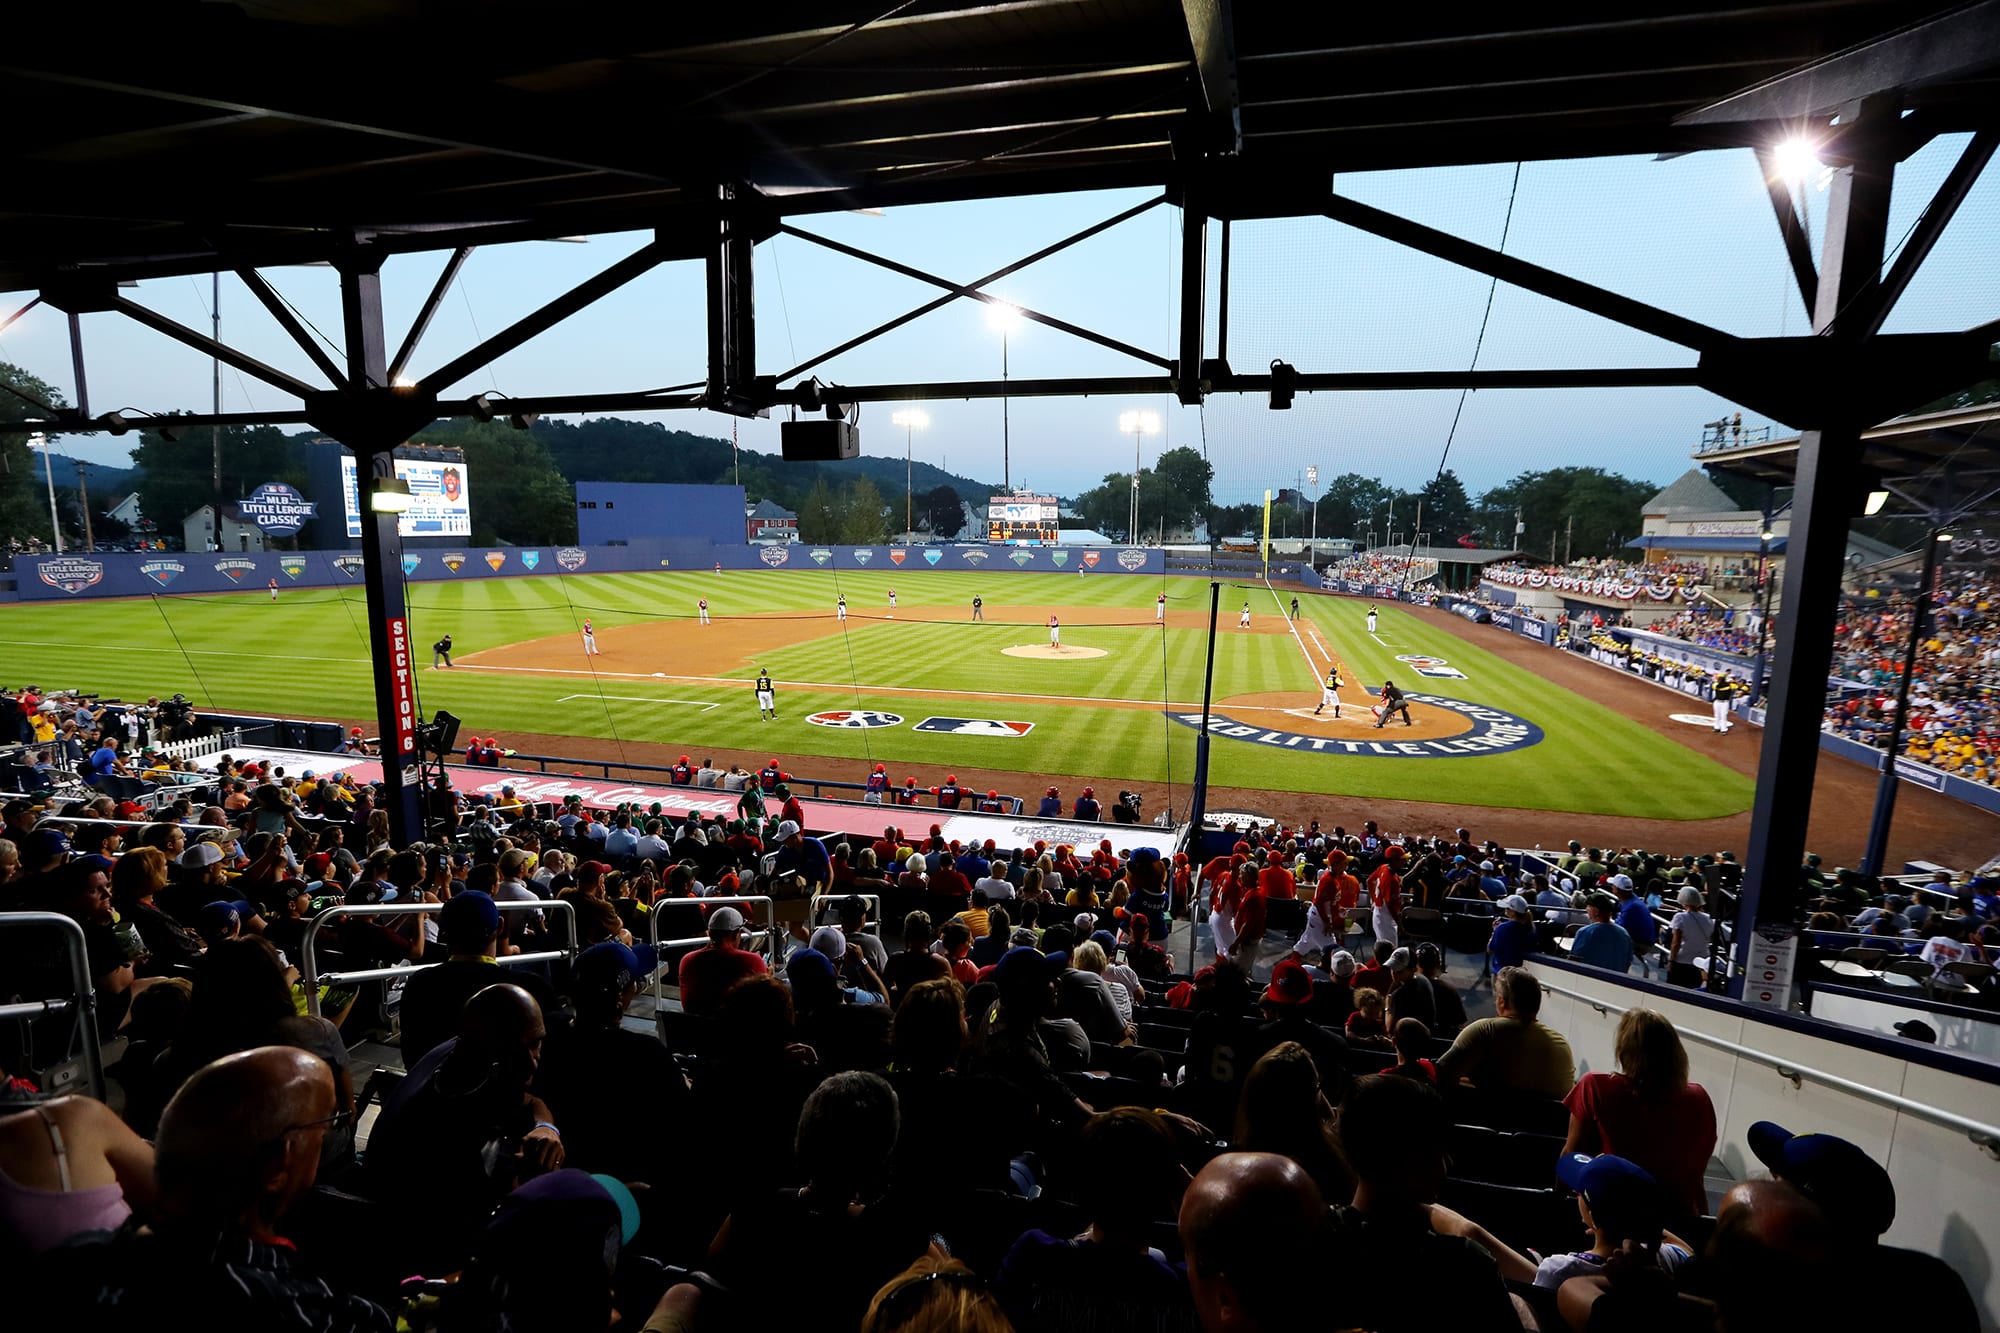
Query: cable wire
[168, 621]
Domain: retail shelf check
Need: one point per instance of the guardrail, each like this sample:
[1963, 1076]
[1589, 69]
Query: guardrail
[603, 768]
[1985, 1135]
[769, 930]
[311, 979]
[83, 998]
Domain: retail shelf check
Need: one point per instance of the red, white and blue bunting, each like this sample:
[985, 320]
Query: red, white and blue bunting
[1619, 589]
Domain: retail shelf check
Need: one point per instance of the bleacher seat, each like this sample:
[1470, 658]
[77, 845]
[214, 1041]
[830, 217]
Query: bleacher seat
[1545, 1220]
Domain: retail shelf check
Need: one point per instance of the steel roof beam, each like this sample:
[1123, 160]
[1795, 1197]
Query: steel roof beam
[1930, 225]
[289, 322]
[1798, 246]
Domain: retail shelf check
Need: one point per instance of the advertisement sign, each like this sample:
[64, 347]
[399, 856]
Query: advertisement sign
[1774, 952]
[403, 684]
[439, 505]
[280, 510]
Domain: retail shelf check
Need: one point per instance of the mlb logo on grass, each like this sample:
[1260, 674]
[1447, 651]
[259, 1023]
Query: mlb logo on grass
[973, 726]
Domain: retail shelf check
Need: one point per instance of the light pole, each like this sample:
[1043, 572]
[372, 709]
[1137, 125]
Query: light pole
[911, 419]
[1312, 484]
[48, 471]
[1006, 319]
[1138, 425]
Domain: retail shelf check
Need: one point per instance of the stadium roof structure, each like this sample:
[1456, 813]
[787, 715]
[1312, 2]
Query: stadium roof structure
[1934, 463]
[1457, 555]
[193, 136]
[1690, 493]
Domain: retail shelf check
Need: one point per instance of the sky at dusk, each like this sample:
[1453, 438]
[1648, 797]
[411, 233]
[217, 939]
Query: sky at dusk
[1692, 234]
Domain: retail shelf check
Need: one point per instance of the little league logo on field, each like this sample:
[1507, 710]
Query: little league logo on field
[1493, 732]
[454, 561]
[236, 568]
[163, 572]
[1130, 559]
[973, 726]
[293, 565]
[529, 559]
[1434, 667]
[71, 574]
[932, 557]
[855, 717]
[775, 555]
[349, 565]
[495, 559]
[571, 557]
[819, 555]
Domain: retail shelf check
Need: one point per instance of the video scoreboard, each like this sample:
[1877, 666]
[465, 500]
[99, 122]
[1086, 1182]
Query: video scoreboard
[1022, 520]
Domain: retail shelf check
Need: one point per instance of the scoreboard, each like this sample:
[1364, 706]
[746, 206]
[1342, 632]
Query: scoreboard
[1022, 520]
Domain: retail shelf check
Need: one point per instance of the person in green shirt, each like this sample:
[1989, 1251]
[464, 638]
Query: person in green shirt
[1512, 1052]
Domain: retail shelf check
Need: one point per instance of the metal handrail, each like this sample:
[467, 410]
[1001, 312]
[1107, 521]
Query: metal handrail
[1985, 1135]
[769, 930]
[310, 978]
[83, 1000]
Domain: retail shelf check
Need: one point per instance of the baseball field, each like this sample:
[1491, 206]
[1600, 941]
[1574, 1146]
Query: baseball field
[921, 688]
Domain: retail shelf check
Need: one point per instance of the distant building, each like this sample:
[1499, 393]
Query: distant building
[198, 533]
[768, 521]
[126, 511]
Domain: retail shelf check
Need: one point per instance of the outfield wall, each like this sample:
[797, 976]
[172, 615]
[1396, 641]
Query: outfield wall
[151, 573]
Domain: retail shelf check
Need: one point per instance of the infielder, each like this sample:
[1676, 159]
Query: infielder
[1327, 692]
[589, 639]
[1371, 620]
[1055, 632]
[978, 609]
[767, 698]
[702, 606]
[1160, 609]
[892, 603]
[1243, 621]
[840, 609]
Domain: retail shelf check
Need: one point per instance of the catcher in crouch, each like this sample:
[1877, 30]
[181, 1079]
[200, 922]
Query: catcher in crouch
[1392, 703]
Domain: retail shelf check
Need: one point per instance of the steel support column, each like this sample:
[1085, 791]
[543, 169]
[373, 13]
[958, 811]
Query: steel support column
[1827, 494]
[1194, 306]
[1884, 818]
[371, 418]
[732, 313]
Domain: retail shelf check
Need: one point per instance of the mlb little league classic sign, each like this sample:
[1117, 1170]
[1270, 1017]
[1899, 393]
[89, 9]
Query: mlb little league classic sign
[276, 508]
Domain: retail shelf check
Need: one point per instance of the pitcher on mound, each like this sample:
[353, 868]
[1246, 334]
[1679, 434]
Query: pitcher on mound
[1055, 634]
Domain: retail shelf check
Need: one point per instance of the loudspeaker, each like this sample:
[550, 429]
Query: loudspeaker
[819, 441]
[442, 737]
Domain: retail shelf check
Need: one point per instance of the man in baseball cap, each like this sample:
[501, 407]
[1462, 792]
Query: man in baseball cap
[712, 969]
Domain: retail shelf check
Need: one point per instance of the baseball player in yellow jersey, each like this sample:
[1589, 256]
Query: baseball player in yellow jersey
[1328, 693]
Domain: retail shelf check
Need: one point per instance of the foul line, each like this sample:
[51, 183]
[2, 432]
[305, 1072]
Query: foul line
[197, 652]
[630, 699]
[1292, 626]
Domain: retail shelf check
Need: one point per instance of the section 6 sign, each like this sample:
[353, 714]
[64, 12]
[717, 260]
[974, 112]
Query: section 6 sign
[402, 686]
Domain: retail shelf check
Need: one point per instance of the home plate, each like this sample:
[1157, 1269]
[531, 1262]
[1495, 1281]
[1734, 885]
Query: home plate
[1695, 719]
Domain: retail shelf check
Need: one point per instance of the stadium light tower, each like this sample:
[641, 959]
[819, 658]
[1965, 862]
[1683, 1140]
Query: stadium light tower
[1312, 484]
[1005, 318]
[40, 441]
[912, 420]
[1138, 425]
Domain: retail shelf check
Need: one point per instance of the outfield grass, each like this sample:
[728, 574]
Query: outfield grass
[306, 656]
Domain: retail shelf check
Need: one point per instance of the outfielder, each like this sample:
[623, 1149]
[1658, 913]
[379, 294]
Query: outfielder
[840, 609]
[1328, 692]
[702, 606]
[978, 609]
[1055, 632]
[1243, 621]
[590, 638]
[1371, 620]
[1392, 703]
[1160, 609]
[274, 590]
[767, 698]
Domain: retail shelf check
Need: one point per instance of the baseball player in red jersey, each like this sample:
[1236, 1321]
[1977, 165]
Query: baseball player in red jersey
[274, 590]
[1160, 608]
[589, 638]
[1326, 918]
[702, 607]
[1385, 894]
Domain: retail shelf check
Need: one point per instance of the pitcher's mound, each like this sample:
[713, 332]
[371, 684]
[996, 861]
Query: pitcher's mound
[1053, 653]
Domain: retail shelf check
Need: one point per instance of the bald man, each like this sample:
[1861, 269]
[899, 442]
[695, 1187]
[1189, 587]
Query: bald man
[237, 1146]
[462, 1130]
[1253, 1225]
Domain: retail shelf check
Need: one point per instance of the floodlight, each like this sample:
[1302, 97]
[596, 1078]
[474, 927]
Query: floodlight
[1001, 317]
[1284, 383]
[1797, 160]
[389, 495]
[1876, 499]
[1139, 423]
[910, 418]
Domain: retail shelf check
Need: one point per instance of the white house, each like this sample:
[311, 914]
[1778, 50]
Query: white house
[198, 533]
